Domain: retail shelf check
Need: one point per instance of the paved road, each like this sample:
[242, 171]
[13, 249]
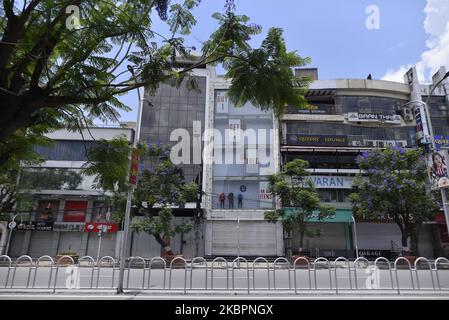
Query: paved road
[222, 280]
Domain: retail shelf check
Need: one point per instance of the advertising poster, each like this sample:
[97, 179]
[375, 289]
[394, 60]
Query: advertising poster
[222, 102]
[47, 211]
[75, 211]
[438, 170]
[266, 198]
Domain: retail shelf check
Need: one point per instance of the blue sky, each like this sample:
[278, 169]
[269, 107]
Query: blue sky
[333, 34]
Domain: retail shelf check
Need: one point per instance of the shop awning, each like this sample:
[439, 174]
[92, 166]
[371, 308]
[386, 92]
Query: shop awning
[341, 215]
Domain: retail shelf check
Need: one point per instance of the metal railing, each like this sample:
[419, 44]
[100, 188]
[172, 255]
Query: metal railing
[302, 275]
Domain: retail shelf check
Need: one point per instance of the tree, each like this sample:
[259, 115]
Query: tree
[57, 70]
[300, 201]
[393, 184]
[161, 186]
[17, 151]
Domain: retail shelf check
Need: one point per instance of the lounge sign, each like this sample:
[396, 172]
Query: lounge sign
[317, 140]
[374, 117]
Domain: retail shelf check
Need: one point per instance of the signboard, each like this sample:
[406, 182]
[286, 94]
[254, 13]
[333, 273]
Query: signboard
[12, 225]
[35, 226]
[340, 215]
[266, 198]
[134, 168]
[311, 109]
[75, 211]
[317, 140]
[107, 227]
[222, 102]
[374, 253]
[442, 142]
[332, 182]
[61, 226]
[374, 117]
[422, 131]
[438, 170]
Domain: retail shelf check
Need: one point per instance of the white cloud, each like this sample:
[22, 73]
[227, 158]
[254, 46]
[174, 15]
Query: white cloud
[436, 26]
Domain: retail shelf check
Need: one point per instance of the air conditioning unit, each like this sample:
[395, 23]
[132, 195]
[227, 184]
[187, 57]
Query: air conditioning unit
[371, 143]
[407, 114]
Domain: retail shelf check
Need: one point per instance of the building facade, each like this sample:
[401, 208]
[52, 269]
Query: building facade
[345, 118]
[59, 209]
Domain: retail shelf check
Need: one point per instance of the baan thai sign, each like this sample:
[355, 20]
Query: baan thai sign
[374, 117]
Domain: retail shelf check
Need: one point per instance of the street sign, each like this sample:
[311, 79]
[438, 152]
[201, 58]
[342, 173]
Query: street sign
[12, 225]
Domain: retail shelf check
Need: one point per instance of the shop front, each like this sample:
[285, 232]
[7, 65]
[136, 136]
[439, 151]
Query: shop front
[336, 239]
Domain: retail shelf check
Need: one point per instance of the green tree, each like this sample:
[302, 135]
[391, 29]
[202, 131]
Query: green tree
[393, 184]
[300, 200]
[54, 72]
[17, 151]
[161, 186]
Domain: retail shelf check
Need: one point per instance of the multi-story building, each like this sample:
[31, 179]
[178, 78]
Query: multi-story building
[58, 204]
[241, 151]
[347, 117]
[171, 116]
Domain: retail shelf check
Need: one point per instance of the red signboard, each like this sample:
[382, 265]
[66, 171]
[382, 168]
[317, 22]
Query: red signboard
[134, 168]
[75, 211]
[107, 227]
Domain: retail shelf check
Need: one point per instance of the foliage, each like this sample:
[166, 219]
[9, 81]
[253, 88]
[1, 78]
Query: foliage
[189, 192]
[393, 183]
[109, 163]
[49, 179]
[300, 201]
[57, 73]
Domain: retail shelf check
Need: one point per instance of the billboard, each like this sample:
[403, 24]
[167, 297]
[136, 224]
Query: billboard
[437, 164]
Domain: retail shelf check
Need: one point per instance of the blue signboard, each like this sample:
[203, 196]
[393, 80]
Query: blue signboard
[442, 142]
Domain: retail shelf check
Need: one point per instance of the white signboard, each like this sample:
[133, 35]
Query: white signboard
[266, 198]
[374, 117]
[332, 182]
[222, 102]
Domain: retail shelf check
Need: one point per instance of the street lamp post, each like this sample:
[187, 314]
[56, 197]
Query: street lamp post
[11, 229]
[124, 240]
[432, 138]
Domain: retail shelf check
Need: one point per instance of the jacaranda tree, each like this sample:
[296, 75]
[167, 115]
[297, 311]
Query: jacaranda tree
[393, 184]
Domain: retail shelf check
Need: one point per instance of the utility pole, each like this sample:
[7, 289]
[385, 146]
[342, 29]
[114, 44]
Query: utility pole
[133, 184]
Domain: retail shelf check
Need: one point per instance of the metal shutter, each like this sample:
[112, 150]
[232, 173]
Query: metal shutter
[377, 235]
[256, 238]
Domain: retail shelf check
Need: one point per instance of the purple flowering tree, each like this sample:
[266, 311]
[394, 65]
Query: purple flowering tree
[393, 183]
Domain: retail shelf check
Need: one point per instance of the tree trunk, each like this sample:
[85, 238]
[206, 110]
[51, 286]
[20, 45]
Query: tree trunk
[301, 240]
[404, 238]
[164, 245]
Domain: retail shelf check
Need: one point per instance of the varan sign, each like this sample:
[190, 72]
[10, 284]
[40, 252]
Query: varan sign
[374, 117]
[332, 182]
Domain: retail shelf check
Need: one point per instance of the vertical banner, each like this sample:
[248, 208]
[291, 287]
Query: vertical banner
[438, 169]
[134, 168]
[266, 198]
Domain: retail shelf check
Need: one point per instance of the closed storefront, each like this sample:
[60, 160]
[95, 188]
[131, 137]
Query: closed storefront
[72, 242]
[41, 243]
[244, 238]
[378, 236]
